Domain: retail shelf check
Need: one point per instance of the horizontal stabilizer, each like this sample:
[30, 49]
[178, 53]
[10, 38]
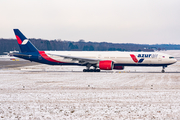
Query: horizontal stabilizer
[17, 54]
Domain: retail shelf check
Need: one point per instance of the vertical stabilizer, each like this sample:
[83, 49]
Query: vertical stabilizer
[24, 44]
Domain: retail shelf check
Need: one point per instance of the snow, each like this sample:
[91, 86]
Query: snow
[61, 92]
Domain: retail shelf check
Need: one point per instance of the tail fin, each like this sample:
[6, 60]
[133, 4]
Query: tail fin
[24, 44]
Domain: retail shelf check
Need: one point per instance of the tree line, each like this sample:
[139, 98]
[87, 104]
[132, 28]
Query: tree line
[7, 45]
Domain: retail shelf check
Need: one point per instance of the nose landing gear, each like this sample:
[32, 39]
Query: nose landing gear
[163, 70]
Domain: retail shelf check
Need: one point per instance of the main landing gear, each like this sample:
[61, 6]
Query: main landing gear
[91, 70]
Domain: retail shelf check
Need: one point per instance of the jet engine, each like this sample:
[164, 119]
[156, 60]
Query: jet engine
[106, 65]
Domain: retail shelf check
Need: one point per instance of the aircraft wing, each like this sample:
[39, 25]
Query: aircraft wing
[80, 59]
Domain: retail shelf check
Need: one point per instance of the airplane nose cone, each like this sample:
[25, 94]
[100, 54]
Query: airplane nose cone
[175, 60]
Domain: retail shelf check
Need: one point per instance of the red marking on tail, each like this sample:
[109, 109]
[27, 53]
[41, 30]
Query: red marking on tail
[18, 40]
[134, 58]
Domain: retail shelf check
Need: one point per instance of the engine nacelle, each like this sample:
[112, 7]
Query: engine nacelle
[106, 65]
[118, 67]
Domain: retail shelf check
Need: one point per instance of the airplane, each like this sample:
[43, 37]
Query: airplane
[99, 60]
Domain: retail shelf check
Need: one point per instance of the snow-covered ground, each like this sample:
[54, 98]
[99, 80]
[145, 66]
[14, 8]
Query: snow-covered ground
[58, 92]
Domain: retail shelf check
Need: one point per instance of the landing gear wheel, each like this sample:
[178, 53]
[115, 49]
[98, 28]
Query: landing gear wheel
[163, 70]
[86, 70]
[91, 70]
[96, 70]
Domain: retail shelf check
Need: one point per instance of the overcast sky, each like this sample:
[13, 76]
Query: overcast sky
[117, 21]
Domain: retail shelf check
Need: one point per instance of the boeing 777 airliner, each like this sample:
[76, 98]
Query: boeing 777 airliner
[99, 60]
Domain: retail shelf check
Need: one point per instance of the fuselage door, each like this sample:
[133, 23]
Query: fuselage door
[99, 56]
[159, 58]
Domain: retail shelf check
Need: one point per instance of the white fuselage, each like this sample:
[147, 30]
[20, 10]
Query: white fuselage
[124, 58]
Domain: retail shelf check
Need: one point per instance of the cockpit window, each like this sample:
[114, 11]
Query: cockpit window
[171, 57]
